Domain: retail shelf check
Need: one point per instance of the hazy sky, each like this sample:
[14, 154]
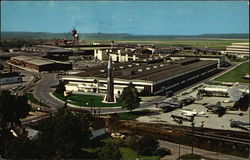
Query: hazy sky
[142, 18]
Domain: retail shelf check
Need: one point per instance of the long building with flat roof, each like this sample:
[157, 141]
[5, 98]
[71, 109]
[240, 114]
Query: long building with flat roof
[148, 78]
[39, 64]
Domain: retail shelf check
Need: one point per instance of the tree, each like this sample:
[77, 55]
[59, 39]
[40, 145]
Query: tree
[64, 135]
[20, 148]
[130, 97]
[12, 108]
[60, 88]
[71, 134]
[146, 145]
[110, 151]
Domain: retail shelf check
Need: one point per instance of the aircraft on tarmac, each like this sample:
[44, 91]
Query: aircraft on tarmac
[216, 108]
[239, 124]
[191, 113]
[179, 118]
[168, 105]
[234, 95]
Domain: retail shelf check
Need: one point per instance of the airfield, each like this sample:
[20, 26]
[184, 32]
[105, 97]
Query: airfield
[211, 120]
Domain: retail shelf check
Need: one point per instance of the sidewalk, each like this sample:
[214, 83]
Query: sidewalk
[187, 150]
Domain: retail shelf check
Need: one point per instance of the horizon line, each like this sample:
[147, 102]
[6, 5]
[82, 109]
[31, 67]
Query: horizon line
[128, 33]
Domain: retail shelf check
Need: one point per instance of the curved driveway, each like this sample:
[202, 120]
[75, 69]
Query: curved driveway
[42, 90]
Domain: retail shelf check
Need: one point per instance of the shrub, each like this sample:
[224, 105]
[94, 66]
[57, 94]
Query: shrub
[146, 145]
[161, 151]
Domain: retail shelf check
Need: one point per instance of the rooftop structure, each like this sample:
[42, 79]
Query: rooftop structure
[150, 78]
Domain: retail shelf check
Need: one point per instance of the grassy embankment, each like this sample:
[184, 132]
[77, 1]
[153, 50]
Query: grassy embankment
[31, 97]
[132, 115]
[235, 75]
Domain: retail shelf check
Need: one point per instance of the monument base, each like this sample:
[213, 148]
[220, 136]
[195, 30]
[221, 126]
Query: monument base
[106, 101]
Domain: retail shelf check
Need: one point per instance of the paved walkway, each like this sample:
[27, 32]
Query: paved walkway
[187, 150]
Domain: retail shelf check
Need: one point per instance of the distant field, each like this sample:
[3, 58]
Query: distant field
[236, 74]
[218, 44]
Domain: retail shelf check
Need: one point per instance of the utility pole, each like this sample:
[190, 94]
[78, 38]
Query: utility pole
[179, 144]
[202, 125]
[192, 137]
[99, 112]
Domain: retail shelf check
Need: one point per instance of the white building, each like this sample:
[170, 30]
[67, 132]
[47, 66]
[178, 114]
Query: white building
[238, 49]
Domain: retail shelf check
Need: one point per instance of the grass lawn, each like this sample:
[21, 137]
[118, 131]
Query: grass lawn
[132, 115]
[236, 74]
[34, 100]
[86, 100]
[128, 153]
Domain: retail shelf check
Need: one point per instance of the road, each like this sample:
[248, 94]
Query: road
[187, 150]
[42, 90]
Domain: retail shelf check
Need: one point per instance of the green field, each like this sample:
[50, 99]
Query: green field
[86, 100]
[236, 74]
[219, 44]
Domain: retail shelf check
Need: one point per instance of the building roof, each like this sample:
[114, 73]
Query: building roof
[143, 71]
[60, 50]
[23, 58]
[39, 62]
[36, 60]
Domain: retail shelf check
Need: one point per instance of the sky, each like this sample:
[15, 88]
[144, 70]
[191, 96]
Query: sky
[132, 17]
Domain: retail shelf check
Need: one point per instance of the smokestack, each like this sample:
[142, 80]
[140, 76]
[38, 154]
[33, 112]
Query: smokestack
[75, 36]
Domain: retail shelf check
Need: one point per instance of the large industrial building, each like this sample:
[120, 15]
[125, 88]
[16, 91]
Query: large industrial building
[149, 78]
[39, 64]
[238, 49]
